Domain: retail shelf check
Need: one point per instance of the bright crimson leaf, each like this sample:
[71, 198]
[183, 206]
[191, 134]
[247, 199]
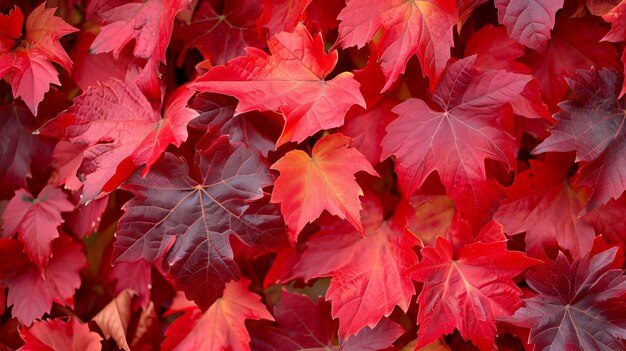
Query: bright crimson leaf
[308, 185]
[28, 59]
[31, 291]
[222, 36]
[36, 220]
[222, 326]
[455, 139]
[367, 272]
[122, 131]
[149, 23]
[543, 203]
[290, 81]
[529, 21]
[580, 304]
[199, 217]
[422, 28]
[59, 335]
[469, 292]
[593, 126]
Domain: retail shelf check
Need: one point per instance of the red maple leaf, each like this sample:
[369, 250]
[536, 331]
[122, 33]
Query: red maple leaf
[543, 203]
[31, 291]
[455, 139]
[36, 220]
[60, 335]
[580, 303]
[221, 326]
[367, 271]
[27, 59]
[308, 185]
[593, 126]
[421, 27]
[198, 217]
[290, 81]
[122, 132]
[469, 292]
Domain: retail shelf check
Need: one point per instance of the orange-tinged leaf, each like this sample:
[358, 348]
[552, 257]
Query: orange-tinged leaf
[114, 318]
[367, 272]
[290, 81]
[222, 326]
[308, 185]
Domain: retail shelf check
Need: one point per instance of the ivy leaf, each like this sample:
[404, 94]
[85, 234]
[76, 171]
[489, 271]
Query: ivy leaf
[199, 217]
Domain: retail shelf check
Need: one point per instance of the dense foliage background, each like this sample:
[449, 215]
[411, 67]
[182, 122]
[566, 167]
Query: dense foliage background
[312, 175]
